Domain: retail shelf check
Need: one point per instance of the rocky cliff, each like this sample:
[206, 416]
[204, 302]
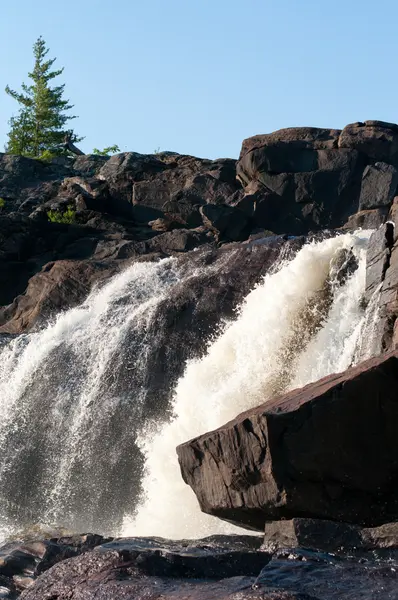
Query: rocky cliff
[139, 207]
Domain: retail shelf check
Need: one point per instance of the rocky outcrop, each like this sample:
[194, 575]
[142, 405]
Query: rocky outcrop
[293, 181]
[312, 178]
[328, 451]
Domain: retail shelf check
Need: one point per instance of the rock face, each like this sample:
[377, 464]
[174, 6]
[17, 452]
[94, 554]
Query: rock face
[293, 181]
[328, 451]
[312, 178]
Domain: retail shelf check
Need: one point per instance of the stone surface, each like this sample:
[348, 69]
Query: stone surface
[328, 536]
[377, 139]
[367, 219]
[379, 186]
[327, 451]
[227, 222]
[157, 569]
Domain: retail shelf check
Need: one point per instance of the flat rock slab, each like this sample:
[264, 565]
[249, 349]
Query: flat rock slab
[327, 451]
[328, 536]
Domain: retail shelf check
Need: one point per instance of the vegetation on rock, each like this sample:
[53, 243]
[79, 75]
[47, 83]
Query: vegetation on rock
[67, 217]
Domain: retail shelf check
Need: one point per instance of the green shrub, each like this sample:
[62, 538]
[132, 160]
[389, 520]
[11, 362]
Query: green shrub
[2, 204]
[67, 217]
[47, 156]
[107, 151]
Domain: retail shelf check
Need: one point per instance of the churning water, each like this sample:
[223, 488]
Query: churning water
[74, 396]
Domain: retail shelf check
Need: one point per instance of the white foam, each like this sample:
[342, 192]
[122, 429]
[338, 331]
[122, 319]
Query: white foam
[267, 350]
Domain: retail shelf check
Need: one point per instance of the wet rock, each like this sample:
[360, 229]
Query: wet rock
[378, 258]
[327, 451]
[379, 186]
[155, 569]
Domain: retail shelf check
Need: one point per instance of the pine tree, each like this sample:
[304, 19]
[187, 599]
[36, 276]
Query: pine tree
[40, 124]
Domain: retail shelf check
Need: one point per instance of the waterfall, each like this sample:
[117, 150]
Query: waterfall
[79, 407]
[301, 323]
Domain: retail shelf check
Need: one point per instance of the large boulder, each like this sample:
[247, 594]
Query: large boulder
[327, 451]
[317, 183]
[377, 139]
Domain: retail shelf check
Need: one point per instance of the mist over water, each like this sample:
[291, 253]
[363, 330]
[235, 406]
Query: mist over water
[74, 396]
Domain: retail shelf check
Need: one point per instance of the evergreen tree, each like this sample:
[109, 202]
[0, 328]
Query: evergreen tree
[40, 124]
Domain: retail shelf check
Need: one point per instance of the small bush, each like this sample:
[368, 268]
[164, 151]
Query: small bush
[67, 217]
[107, 151]
[2, 204]
[47, 156]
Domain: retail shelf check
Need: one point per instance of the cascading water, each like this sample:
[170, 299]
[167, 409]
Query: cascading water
[299, 325]
[75, 396]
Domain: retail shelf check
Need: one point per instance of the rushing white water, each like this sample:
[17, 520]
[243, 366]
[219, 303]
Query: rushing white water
[75, 395]
[298, 325]
[66, 418]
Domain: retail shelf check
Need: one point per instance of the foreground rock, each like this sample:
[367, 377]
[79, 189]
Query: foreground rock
[218, 567]
[329, 536]
[327, 451]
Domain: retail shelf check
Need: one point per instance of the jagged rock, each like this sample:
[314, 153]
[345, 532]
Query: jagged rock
[327, 451]
[328, 536]
[379, 186]
[22, 561]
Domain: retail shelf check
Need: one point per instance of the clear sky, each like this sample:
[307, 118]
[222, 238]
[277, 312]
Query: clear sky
[198, 76]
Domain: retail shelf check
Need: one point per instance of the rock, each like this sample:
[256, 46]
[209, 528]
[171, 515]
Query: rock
[328, 536]
[228, 223]
[168, 182]
[22, 561]
[378, 258]
[318, 184]
[376, 139]
[167, 223]
[327, 451]
[367, 219]
[157, 569]
[379, 186]
[301, 137]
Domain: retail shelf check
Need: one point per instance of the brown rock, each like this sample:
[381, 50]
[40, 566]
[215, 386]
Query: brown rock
[328, 536]
[376, 139]
[327, 451]
[379, 186]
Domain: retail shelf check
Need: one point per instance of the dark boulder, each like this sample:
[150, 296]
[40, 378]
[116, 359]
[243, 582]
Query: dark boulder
[327, 451]
[376, 139]
[379, 186]
[227, 222]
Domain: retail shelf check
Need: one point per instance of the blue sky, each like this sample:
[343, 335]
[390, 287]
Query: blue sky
[198, 76]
